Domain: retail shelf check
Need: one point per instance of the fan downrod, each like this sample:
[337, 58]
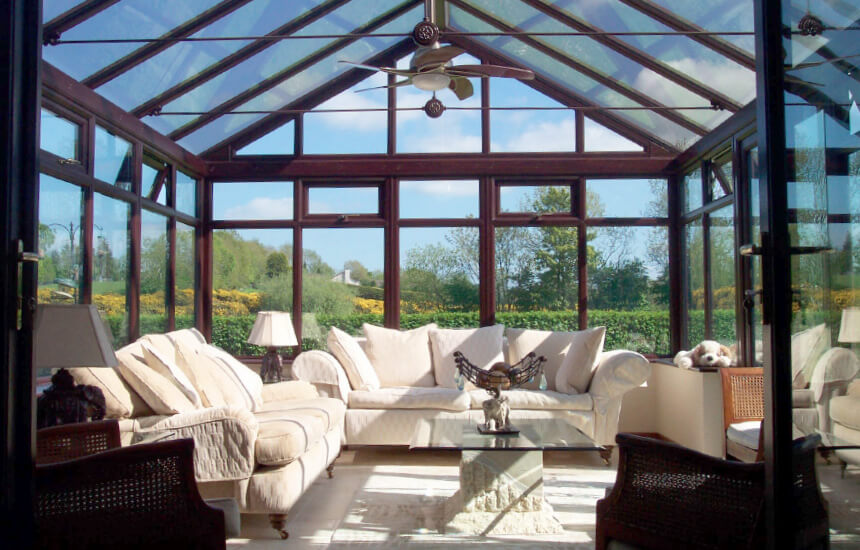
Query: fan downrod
[425, 33]
[434, 108]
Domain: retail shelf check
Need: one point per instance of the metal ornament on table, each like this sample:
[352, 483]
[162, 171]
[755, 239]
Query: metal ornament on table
[501, 376]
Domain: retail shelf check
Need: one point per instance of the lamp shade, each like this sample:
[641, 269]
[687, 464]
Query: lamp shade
[849, 330]
[71, 335]
[273, 329]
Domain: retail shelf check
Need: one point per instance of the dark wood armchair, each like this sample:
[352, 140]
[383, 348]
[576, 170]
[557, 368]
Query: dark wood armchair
[669, 497]
[91, 493]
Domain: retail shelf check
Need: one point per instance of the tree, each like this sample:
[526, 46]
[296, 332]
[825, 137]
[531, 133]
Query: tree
[619, 287]
[277, 265]
[314, 264]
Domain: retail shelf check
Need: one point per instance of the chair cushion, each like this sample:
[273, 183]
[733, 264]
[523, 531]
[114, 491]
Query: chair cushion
[400, 358]
[553, 345]
[581, 360]
[351, 356]
[537, 400]
[481, 346]
[158, 392]
[121, 401]
[167, 367]
[330, 411]
[845, 410]
[285, 435]
[410, 398]
[744, 433]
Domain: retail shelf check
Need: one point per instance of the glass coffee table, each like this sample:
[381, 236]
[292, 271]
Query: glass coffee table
[847, 451]
[501, 476]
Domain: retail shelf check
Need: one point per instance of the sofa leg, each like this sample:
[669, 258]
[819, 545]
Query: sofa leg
[330, 470]
[278, 522]
[606, 454]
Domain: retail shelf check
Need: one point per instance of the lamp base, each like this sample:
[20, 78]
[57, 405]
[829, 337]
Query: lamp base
[272, 367]
[65, 403]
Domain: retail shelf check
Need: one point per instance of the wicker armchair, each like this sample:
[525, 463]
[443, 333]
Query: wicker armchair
[142, 496]
[669, 497]
[743, 411]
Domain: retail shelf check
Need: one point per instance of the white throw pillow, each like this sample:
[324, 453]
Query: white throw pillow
[553, 345]
[348, 352]
[204, 383]
[168, 368]
[158, 392]
[400, 358]
[581, 360]
[481, 346]
[249, 380]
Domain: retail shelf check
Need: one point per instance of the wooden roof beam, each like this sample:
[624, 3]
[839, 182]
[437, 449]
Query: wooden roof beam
[53, 29]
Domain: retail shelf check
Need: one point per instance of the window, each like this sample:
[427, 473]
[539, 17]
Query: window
[111, 267]
[113, 159]
[723, 282]
[513, 128]
[350, 132]
[153, 273]
[184, 281]
[628, 198]
[186, 193]
[695, 277]
[266, 200]
[540, 198]
[59, 136]
[60, 241]
[692, 190]
[155, 182]
[280, 141]
[343, 200]
[439, 199]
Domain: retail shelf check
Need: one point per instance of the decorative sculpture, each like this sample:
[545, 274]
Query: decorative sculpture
[501, 376]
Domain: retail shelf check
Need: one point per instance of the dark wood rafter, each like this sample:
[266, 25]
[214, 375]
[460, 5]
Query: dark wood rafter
[281, 76]
[236, 58]
[564, 96]
[646, 60]
[595, 74]
[741, 122]
[673, 21]
[165, 41]
[53, 29]
[224, 149]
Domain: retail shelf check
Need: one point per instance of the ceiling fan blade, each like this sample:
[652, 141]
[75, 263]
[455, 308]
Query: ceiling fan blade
[395, 85]
[490, 70]
[389, 70]
[461, 87]
[436, 56]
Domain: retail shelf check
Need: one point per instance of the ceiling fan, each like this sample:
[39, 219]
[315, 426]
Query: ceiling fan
[431, 67]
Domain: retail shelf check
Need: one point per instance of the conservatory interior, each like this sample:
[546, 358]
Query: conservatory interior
[522, 171]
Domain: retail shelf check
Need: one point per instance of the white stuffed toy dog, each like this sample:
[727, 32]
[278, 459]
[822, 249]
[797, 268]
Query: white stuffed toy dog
[707, 354]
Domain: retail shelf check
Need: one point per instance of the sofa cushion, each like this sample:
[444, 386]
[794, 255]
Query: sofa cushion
[330, 411]
[160, 342]
[224, 378]
[168, 368]
[248, 380]
[525, 399]
[553, 345]
[744, 433]
[286, 435]
[410, 398]
[121, 401]
[186, 359]
[400, 358]
[355, 363]
[191, 337]
[481, 346]
[158, 392]
[845, 410]
[806, 347]
[581, 360]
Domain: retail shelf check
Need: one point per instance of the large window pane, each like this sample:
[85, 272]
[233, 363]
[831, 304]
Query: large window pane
[60, 241]
[632, 198]
[246, 200]
[59, 136]
[111, 242]
[439, 199]
[186, 193]
[525, 130]
[692, 190]
[184, 282]
[252, 271]
[544, 199]
[722, 237]
[439, 275]
[628, 286]
[350, 132]
[153, 273]
[155, 179]
[113, 159]
[342, 281]
[695, 276]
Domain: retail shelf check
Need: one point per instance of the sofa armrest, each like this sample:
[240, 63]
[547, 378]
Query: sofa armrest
[224, 440]
[618, 372]
[291, 389]
[321, 368]
[835, 369]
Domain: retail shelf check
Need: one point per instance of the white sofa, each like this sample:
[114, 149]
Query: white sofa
[262, 445]
[389, 414]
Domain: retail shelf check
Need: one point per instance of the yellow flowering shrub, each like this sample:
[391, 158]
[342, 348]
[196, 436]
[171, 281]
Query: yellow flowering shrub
[368, 305]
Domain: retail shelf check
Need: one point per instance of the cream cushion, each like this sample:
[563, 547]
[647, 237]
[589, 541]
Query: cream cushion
[215, 371]
[400, 358]
[358, 369]
[481, 346]
[581, 360]
[410, 398]
[189, 336]
[537, 400]
[806, 347]
[745, 433]
[186, 359]
[170, 370]
[120, 400]
[845, 410]
[249, 381]
[158, 392]
[287, 432]
[552, 345]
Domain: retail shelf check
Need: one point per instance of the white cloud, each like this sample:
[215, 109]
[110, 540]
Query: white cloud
[262, 209]
[729, 78]
[601, 138]
[544, 136]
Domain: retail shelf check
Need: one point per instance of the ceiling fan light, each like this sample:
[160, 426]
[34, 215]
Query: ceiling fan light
[431, 82]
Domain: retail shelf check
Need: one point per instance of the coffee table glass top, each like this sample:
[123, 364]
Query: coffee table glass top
[834, 442]
[536, 434]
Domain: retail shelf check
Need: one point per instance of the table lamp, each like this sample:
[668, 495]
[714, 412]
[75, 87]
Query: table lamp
[272, 330]
[70, 335]
[849, 329]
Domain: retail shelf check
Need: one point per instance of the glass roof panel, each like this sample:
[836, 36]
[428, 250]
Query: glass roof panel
[716, 16]
[301, 84]
[129, 19]
[186, 59]
[53, 8]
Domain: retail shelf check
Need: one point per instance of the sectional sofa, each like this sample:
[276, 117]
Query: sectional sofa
[263, 445]
[390, 380]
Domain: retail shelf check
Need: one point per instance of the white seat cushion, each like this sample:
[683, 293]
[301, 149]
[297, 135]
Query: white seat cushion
[744, 433]
[330, 411]
[285, 436]
[845, 410]
[537, 400]
[410, 398]
[400, 358]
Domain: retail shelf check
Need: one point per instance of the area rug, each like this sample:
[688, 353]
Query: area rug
[401, 507]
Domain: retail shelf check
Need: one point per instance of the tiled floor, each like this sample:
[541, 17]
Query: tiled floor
[321, 510]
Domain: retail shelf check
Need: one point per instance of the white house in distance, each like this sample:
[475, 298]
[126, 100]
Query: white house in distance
[345, 277]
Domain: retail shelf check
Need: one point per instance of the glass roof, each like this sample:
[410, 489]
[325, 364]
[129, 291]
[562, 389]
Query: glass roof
[210, 72]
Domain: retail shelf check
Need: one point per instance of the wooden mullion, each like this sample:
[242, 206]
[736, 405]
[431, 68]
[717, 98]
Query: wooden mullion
[486, 128]
[580, 131]
[439, 222]
[53, 29]
[86, 288]
[707, 284]
[392, 254]
[279, 77]
[299, 195]
[677, 279]
[487, 253]
[578, 193]
[626, 222]
[391, 117]
[203, 299]
[170, 291]
[151, 49]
